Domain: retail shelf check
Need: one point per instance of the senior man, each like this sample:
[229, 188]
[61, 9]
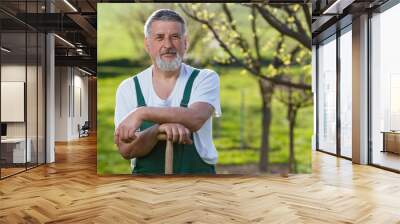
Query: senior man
[168, 97]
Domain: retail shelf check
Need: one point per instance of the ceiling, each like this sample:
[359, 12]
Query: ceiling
[73, 21]
[330, 15]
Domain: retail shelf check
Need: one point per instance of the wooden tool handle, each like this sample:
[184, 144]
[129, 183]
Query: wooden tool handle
[162, 136]
[169, 153]
[169, 158]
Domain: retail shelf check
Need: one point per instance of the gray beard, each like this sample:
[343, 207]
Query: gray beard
[166, 66]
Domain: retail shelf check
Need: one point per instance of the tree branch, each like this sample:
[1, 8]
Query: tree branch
[239, 37]
[218, 38]
[254, 72]
[297, 22]
[307, 15]
[293, 54]
[283, 28]
[255, 36]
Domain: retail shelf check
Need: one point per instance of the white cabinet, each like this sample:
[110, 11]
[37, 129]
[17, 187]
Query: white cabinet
[18, 149]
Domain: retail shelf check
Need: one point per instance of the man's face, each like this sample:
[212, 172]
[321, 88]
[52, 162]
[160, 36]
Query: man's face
[166, 44]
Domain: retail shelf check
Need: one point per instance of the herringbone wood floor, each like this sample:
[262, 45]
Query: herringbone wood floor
[69, 191]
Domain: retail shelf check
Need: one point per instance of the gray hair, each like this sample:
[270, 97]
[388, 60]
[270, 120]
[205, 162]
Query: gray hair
[163, 15]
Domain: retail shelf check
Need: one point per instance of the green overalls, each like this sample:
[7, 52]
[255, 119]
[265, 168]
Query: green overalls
[186, 158]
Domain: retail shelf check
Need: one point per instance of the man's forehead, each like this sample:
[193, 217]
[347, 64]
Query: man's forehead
[159, 27]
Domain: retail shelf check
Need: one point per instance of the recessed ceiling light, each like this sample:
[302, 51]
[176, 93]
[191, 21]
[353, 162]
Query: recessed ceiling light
[64, 40]
[84, 71]
[70, 5]
[337, 7]
[5, 49]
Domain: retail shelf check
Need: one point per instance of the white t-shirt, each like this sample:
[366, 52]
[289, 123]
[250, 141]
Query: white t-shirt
[205, 89]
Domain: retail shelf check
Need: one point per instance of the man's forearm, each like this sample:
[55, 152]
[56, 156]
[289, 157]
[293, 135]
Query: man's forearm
[191, 118]
[142, 145]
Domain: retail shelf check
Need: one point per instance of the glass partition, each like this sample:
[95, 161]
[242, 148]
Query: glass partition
[13, 109]
[385, 89]
[22, 88]
[327, 95]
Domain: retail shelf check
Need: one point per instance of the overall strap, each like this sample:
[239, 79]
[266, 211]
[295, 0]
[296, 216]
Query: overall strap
[188, 88]
[139, 94]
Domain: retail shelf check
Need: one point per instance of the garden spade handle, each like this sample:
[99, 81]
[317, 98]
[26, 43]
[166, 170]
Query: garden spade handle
[169, 153]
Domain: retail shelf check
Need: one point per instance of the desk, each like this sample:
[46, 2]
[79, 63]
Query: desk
[391, 141]
[16, 147]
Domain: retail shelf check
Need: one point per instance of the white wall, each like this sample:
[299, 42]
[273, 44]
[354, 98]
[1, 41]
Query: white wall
[14, 72]
[80, 94]
[61, 103]
[70, 83]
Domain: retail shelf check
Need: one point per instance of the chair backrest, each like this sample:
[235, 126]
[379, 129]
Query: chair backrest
[86, 125]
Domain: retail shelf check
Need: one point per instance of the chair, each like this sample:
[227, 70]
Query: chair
[84, 130]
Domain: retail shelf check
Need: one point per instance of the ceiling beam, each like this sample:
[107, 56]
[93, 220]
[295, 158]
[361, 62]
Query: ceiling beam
[337, 7]
[86, 26]
[81, 61]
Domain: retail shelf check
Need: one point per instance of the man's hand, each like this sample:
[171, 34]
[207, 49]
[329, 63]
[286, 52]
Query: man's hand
[142, 145]
[126, 131]
[176, 132]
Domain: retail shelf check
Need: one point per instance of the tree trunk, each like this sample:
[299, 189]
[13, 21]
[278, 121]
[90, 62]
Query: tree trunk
[266, 93]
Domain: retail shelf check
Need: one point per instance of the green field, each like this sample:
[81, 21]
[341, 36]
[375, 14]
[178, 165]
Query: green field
[227, 136]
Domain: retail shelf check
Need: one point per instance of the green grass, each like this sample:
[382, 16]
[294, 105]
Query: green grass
[108, 158]
[227, 138]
